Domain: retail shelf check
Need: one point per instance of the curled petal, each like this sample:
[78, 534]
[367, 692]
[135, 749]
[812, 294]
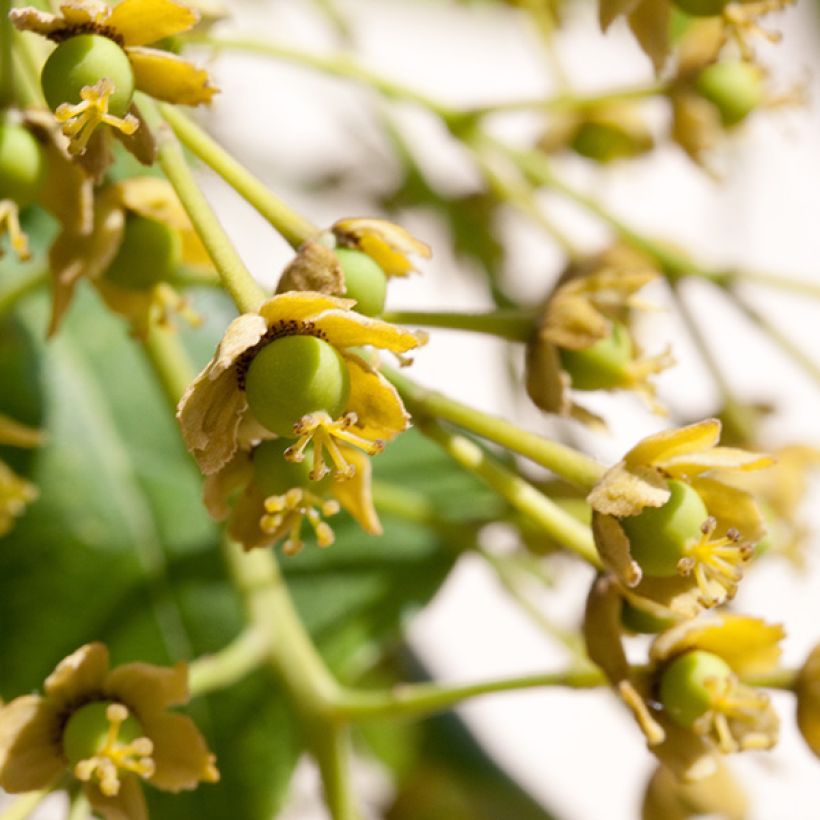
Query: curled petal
[387, 244]
[40, 22]
[355, 494]
[127, 804]
[350, 329]
[147, 688]
[716, 458]
[167, 77]
[140, 22]
[379, 409]
[661, 447]
[733, 508]
[547, 384]
[613, 547]
[627, 489]
[153, 198]
[180, 753]
[79, 675]
[300, 306]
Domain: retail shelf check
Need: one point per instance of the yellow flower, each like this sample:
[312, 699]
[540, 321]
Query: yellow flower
[131, 24]
[261, 518]
[109, 728]
[213, 406]
[807, 690]
[75, 256]
[710, 567]
[731, 717]
[15, 492]
[591, 302]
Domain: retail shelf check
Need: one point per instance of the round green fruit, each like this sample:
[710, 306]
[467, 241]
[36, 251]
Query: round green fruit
[293, 377]
[275, 475]
[683, 691]
[83, 61]
[364, 281]
[601, 366]
[702, 8]
[658, 536]
[149, 254]
[86, 731]
[22, 165]
[734, 87]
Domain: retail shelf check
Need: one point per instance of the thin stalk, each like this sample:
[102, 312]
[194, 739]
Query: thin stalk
[803, 287]
[293, 227]
[6, 56]
[331, 745]
[250, 650]
[521, 495]
[170, 362]
[784, 679]
[513, 325]
[243, 289]
[574, 467]
[80, 807]
[419, 699]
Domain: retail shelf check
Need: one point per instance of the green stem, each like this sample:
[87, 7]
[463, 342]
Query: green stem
[420, 699]
[514, 325]
[292, 226]
[331, 745]
[80, 807]
[802, 287]
[21, 807]
[230, 665]
[574, 467]
[243, 289]
[540, 510]
[6, 56]
[170, 362]
[784, 679]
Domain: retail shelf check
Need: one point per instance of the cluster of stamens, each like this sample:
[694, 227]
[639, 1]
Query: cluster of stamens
[741, 23]
[10, 220]
[285, 514]
[640, 371]
[323, 431]
[81, 120]
[733, 703]
[115, 757]
[715, 561]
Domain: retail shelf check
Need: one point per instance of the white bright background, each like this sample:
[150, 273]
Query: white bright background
[578, 752]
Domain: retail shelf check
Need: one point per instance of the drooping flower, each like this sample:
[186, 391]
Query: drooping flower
[584, 340]
[267, 499]
[669, 527]
[689, 701]
[15, 492]
[216, 402]
[109, 729]
[132, 25]
[134, 287]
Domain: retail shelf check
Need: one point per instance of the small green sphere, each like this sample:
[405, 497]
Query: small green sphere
[734, 87]
[642, 622]
[275, 475]
[364, 281]
[150, 253]
[603, 142]
[683, 691]
[601, 366]
[702, 8]
[85, 60]
[658, 535]
[22, 165]
[87, 728]
[292, 377]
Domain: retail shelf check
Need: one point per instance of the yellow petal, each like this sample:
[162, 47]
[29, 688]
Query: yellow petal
[18, 435]
[154, 198]
[355, 494]
[716, 458]
[167, 77]
[140, 22]
[127, 804]
[83, 12]
[146, 688]
[29, 757]
[299, 306]
[749, 645]
[673, 597]
[78, 676]
[180, 753]
[350, 329]
[613, 547]
[670, 443]
[387, 244]
[376, 403]
[625, 490]
[733, 509]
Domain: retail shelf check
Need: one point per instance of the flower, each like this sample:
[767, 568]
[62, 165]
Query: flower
[15, 492]
[273, 507]
[709, 567]
[109, 728]
[730, 715]
[590, 306]
[75, 255]
[131, 24]
[215, 403]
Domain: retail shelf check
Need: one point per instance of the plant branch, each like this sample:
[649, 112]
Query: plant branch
[513, 325]
[246, 653]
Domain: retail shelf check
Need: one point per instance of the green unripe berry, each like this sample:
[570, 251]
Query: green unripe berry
[87, 728]
[150, 253]
[275, 475]
[603, 142]
[702, 8]
[601, 366]
[658, 535]
[22, 164]
[85, 60]
[734, 87]
[642, 622]
[683, 691]
[292, 377]
[364, 281]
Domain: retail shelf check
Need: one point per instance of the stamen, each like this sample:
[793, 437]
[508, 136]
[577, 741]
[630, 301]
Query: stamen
[714, 562]
[10, 218]
[81, 120]
[114, 757]
[322, 431]
[740, 20]
[285, 514]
